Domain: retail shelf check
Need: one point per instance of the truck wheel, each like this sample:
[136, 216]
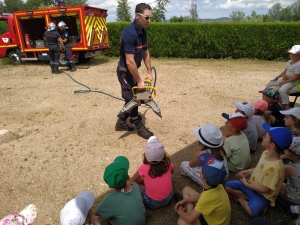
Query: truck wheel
[82, 59]
[14, 57]
[62, 60]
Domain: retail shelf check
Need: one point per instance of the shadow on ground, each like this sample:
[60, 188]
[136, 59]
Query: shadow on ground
[166, 215]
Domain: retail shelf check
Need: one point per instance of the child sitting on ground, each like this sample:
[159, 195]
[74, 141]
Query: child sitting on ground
[25, 217]
[289, 78]
[273, 116]
[78, 211]
[125, 205]
[261, 190]
[154, 176]
[211, 141]
[260, 107]
[247, 109]
[290, 191]
[236, 144]
[212, 206]
[292, 120]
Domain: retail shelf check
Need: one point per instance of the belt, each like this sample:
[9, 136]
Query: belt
[124, 69]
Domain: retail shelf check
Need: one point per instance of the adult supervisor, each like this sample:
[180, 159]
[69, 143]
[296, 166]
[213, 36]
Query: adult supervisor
[134, 49]
[65, 37]
[53, 37]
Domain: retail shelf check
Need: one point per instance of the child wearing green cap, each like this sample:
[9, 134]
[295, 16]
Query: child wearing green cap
[125, 205]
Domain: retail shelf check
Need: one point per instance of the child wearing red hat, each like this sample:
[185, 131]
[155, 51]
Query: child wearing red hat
[236, 144]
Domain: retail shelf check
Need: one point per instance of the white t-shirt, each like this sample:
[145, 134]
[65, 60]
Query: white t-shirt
[251, 133]
[258, 121]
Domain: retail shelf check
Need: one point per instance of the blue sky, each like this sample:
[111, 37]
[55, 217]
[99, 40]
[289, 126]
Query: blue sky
[206, 8]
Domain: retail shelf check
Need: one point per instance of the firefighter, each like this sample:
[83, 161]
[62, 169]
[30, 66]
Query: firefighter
[134, 50]
[65, 37]
[53, 37]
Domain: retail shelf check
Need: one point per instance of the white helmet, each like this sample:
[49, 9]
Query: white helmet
[51, 26]
[62, 24]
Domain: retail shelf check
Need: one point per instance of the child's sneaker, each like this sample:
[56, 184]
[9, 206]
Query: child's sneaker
[177, 197]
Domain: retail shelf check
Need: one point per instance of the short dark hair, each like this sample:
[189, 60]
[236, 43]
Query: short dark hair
[141, 7]
[278, 149]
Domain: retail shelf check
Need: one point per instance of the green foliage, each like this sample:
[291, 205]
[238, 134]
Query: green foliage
[159, 10]
[237, 16]
[266, 41]
[10, 6]
[3, 26]
[76, 2]
[175, 19]
[193, 11]
[123, 11]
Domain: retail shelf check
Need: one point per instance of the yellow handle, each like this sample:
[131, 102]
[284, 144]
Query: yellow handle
[147, 86]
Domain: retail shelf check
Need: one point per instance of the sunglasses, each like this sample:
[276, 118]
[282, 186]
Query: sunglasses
[146, 17]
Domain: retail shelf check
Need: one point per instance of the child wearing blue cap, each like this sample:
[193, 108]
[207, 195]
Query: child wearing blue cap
[212, 206]
[261, 190]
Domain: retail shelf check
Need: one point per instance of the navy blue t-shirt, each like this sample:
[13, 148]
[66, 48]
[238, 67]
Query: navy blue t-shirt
[133, 40]
[65, 35]
[52, 36]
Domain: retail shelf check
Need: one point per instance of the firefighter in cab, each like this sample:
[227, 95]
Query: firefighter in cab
[65, 37]
[53, 37]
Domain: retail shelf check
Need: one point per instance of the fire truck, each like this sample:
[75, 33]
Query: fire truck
[22, 38]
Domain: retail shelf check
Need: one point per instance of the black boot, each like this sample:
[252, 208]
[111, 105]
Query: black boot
[72, 67]
[121, 125]
[56, 70]
[141, 129]
[52, 70]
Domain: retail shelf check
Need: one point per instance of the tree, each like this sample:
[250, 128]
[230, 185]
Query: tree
[193, 11]
[295, 10]
[159, 10]
[175, 19]
[12, 5]
[76, 2]
[237, 16]
[285, 14]
[36, 4]
[274, 12]
[123, 11]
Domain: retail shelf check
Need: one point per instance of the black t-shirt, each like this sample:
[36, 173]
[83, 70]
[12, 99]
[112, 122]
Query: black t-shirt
[52, 36]
[275, 108]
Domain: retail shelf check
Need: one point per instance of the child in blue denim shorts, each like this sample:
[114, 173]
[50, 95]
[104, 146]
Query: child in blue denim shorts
[154, 176]
[263, 187]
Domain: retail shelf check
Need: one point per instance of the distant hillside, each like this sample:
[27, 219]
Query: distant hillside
[216, 20]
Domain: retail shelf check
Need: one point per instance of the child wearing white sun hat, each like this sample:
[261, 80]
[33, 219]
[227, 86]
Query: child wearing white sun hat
[211, 141]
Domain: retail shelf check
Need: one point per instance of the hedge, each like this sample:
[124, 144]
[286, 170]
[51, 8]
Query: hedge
[266, 41]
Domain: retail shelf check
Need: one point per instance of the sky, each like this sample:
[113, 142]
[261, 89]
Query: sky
[207, 9]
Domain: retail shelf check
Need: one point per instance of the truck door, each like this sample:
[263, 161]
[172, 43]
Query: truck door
[7, 35]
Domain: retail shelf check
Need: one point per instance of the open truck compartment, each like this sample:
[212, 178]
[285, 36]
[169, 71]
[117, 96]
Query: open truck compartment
[86, 26]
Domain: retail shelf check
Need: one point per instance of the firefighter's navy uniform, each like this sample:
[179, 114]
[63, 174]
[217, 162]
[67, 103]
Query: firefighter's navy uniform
[65, 37]
[52, 37]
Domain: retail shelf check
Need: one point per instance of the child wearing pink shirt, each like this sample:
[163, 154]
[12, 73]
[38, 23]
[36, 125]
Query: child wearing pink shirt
[154, 176]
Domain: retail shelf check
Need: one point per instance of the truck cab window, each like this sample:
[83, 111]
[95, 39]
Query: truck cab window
[3, 26]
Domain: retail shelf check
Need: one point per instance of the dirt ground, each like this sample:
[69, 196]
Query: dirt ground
[58, 143]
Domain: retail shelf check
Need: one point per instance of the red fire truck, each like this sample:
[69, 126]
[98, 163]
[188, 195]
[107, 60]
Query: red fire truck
[22, 38]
